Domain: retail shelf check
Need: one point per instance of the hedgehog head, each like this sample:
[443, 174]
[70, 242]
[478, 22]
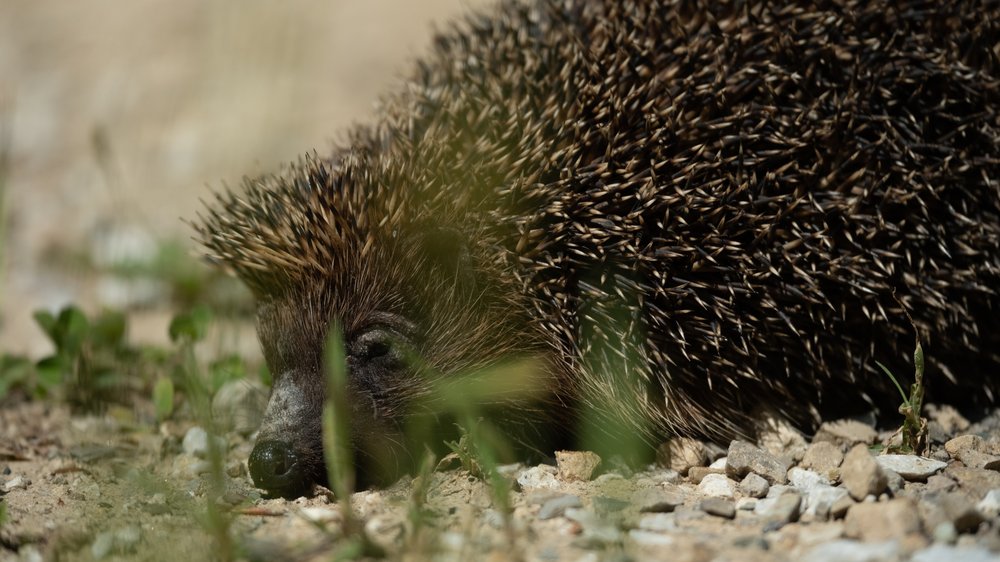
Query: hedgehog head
[330, 243]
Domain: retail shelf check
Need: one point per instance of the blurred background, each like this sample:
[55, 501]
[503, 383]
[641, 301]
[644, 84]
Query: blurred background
[117, 117]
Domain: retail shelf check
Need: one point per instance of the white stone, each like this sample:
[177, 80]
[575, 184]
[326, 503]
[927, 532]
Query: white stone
[945, 553]
[910, 467]
[717, 485]
[806, 480]
[840, 550]
[541, 477]
[989, 506]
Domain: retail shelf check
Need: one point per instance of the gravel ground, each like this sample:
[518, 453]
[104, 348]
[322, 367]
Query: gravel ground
[115, 488]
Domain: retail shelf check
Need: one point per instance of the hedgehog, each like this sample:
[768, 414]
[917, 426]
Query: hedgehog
[654, 217]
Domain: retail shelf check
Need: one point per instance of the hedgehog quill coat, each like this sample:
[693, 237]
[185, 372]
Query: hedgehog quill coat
[682, 210]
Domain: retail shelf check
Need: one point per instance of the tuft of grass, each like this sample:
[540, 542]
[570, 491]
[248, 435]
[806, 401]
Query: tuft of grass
[3, 513]
[913, 432]
[186, 330]
[338, 452]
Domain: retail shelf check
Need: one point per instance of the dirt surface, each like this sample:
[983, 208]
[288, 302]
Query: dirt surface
[117, 487]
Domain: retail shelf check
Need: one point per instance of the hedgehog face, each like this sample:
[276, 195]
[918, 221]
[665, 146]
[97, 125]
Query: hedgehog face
[288, 456]
[408, 331]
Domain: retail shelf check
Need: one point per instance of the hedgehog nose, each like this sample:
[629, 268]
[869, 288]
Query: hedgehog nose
[275, 467]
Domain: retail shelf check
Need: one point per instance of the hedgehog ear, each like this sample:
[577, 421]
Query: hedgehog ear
[445, 250]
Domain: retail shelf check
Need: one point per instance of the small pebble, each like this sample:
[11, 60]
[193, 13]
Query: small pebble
[989, 506]
[681, 454]
[541, 477]
[15, 483]
[698, 473]
[882, 521]
[716, 485]
[854, 551]
[911, 467]
[577, 465]
[945, 553]
[719, 507]
[657, 501]
[846, 433]
[822, 456]
[744, 458]
[753, 485]
[861, 475]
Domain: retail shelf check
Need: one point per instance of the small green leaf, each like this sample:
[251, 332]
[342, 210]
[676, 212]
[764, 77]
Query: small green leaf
[265, 375]
[72, 328]
[47, 322]
[190, 326]
[3, 513]
[163, 397]
[51, 372]
[109, 329]
[14, 371]
[906, 399]
[226, 369]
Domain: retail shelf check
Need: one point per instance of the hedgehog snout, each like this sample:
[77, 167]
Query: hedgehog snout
[275, 467]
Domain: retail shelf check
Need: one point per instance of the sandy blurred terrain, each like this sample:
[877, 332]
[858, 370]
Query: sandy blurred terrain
[118, 115]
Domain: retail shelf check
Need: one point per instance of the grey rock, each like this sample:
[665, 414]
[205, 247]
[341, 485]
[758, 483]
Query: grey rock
[102, 545]
[780, 438]
[744, 458]
[846, 433]
[541, 477]
[911, 467]
[577, 465]
[989, 506]
[940, 483]
[558, 505]
[964, 443]
[657, 501]
[719, 464]
[718, 507]
[895, 482]
[753, 486]
[880, 521]
[861, 475]
[596, 531]
[785, 510]
[15, 483]
[239, 405]
[822, 500]
[822, 456]
[945, 553]
[840, 507]
[947, 417]
[973, 452]
[717, 485]
[960, 511]
[806, 480]
[977, 482]
[661, 522]
[945, 533]
[854, 551]
[196, 443]
[681, 454]
[120, 541]
[698, 473]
